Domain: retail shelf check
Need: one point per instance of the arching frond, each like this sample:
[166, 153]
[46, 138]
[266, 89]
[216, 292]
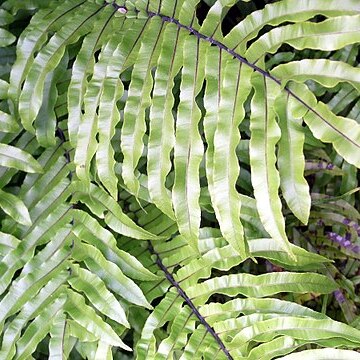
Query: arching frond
[153, 154]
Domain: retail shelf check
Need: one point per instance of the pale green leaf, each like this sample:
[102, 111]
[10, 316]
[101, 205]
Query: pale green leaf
[110, 274]
[5, 17]
[4, 88]
[87, 144]
[196, 344]
[32, 308]
[272, 250]
[168, 308]
[279, 346]
[214, 17]
[310, 330]
[291, 161]
[328, 73]
[188, 150]
[331, 34]
[13, 157]
[182, 325]
[31, 40]
[14, 207]
[45, 122]
[80, 332]
[41, 232]
[323, 354]
[8, 123]
[84, 64]
[161, 138]
[55, 197]
[97, 293]
[91, 232]
[47, 60]
[26, 142]
[6, 38]
[221, 160]
[58, 338]
[283, 11]
[28, 284]
[7, 243]
[109, 116]
[106, 207]
[265, 179]
[215, 312]
[343, 133]
[103, 352]
[260, 285]
[86, 317]
[38, 329]
[134, 126]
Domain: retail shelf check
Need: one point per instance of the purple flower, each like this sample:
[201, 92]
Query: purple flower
[339, 296]
[341, 240]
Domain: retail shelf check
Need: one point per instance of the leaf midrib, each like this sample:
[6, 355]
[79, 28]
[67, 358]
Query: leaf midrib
[256, 68]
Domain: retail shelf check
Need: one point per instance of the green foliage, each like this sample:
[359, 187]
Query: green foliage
[179, 179]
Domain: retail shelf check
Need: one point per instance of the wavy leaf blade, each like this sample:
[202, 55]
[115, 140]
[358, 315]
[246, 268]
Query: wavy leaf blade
[109, 116]
[46, 122]
[291, 161]
[332, 34]
[343, 133]
[110, 274]
[83, 64]
[226, 167]
[188, 150]
[277, 13]
[31, 309]
[59, 338]
[97, 293]
[13, 157]
[261, 285]
[309, 330]
[134, 125]
[165, 311]
[14, 207]
[85, 316]
[52, 225]
[328, 73]
[265, 133]
[161, 138]
[323, 354]
[38, 329]
[48, 58]
[106, 207]
[31, 41]
[8, 123]
[90, 231]
[87, 144]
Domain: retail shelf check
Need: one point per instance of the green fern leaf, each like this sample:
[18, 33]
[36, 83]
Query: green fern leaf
[86, 317]
[16, 158]
[150, 151]
[14, 207]
[324, 354]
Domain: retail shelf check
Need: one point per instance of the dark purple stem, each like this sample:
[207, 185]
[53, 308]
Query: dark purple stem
[182, 293]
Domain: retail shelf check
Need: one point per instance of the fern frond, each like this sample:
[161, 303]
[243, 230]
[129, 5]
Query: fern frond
[150, 150]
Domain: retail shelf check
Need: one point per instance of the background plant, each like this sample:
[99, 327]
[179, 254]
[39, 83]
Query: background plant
[179, 178]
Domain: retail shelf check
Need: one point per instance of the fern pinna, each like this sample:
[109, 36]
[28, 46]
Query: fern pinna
[179, 179]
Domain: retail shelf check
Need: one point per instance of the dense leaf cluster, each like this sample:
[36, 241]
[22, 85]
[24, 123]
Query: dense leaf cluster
[179, 179]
